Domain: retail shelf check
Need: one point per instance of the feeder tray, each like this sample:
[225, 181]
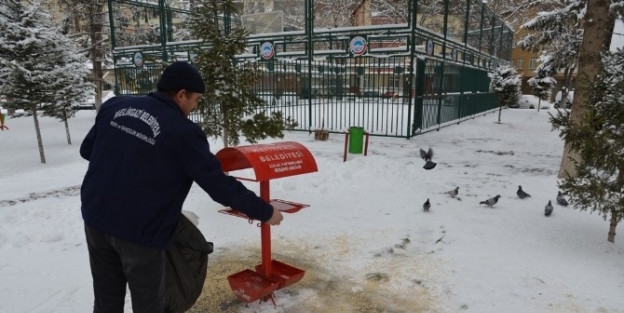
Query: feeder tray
[234, 213]
[250, 286]
[282, 273]
[282, 205]
[287, 206]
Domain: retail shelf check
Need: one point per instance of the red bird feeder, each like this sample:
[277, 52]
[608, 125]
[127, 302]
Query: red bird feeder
[269, 161]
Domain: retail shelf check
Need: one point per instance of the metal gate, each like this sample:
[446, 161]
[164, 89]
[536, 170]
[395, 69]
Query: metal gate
[394, 80]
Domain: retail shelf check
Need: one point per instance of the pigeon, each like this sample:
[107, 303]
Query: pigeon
[548, 209]
[521, 194]
[427, 156]
[561, 200]
[491, 201]
[453, 193]
[426, 206]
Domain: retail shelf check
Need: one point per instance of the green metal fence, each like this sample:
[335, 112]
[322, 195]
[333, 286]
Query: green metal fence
[134, 81]
[449, 92]
[316, 78]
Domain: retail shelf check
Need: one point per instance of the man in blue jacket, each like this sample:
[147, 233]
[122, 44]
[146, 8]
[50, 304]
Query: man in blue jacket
[144, 154]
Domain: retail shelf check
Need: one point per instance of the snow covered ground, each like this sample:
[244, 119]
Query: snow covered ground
[365, 242]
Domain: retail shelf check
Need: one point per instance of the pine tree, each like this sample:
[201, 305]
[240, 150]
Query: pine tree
[557, 35]
[542, 80]
[86, 23]
[34, 62]
[72, 87]
[597, 32]
[229, 107]
[505, 82]
[332, 13]
[598, 139]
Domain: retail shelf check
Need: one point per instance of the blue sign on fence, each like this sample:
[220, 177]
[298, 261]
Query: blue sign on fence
[358, 45]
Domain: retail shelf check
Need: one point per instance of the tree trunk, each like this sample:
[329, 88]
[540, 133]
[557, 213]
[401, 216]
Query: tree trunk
[67, 128]
[539, 104]
[612, 226]
[500, 110]
[568, 81]
[33, 108]
[566, 87]
[615, 215]
[225, 138]
[95, 36]
[598, 29]
[97, 80]
[77, 26]
[224, 129]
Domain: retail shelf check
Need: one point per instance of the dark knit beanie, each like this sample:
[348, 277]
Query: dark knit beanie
[181, 75]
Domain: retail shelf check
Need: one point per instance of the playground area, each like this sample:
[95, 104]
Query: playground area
[397, 79]
[378, 116]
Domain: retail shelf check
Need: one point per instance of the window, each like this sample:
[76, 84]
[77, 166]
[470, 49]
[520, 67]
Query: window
[533, 62]
[395, 82]
[366, 81]
[520, 64]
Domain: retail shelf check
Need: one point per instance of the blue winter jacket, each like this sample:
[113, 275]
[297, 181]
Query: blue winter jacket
[144, 155]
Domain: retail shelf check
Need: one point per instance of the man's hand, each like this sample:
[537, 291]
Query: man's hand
[276, 218]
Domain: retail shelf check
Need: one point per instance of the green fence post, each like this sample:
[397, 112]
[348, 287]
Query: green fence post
[440, 90]
[420, 93]
[309, 32]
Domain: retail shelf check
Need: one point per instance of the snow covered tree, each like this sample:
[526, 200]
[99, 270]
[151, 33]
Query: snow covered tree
[502, 7]
[332, 13]
[395, 10]
[598, 23]
[293, 11]
[557, 35]
[86, 23]
[37, 64]
[505, 82]
[259, 6]
[598, 140]
[542, 81]
[72, 87]
[229, 107]
[180, 30]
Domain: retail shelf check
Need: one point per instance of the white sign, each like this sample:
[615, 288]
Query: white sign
[430, 47]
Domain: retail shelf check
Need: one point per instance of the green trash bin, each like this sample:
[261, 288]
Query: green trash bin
[356, 139]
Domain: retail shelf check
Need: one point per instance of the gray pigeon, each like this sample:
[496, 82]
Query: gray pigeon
[427, 156]
[561, 200]
[453, 193]
[548, 209]
[426, 206]
[491, 201]
[521, 194]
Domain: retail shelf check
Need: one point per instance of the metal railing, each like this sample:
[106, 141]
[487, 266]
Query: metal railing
[413, 77]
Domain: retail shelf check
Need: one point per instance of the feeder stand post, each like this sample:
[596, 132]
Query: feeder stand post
[265, 231]
[267, 161]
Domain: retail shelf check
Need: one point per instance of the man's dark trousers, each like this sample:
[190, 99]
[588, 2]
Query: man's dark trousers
[115, 262]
